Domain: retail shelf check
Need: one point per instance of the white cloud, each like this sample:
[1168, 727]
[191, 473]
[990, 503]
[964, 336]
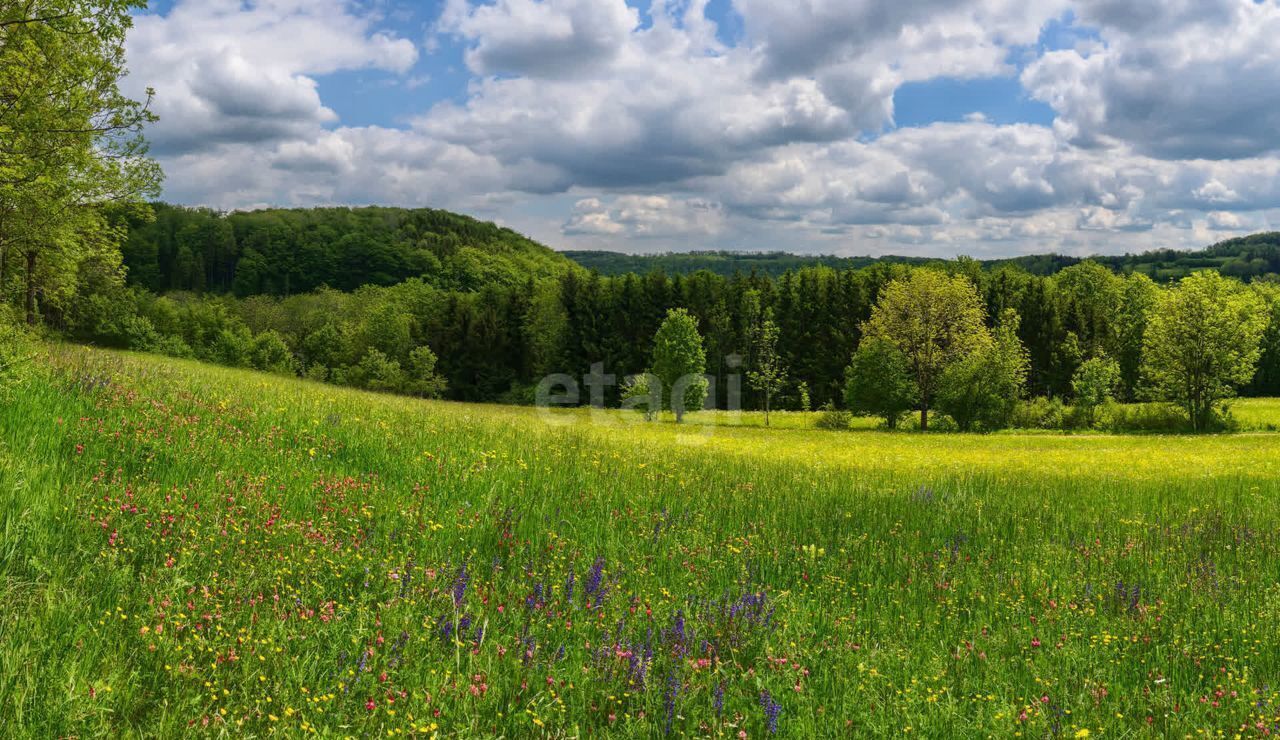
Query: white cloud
[1182, 80]
[540, 39]
[227, 71]
[645, 216]
[602, 125]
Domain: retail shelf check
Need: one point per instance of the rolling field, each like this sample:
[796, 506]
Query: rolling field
[195, 550]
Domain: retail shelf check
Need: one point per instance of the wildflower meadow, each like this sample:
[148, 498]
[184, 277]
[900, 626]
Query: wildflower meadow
[190, 551]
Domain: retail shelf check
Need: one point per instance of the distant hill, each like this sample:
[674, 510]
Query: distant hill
[286, 251]
[1246, 258]
[721, 262]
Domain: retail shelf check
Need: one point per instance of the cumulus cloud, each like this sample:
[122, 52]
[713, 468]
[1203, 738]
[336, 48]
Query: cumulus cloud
[227, 71]
[540, 38]
[645, 216]
[607, 124]
[1182, 80]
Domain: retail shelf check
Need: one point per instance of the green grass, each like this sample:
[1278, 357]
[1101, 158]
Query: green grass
[195, 550]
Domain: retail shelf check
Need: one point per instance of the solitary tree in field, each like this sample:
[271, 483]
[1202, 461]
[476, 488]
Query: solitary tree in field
[769, 376]
[879, 382]
[679, 362]
[934, 319]
[1202, 342]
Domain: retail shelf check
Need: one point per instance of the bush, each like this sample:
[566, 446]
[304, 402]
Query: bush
[377, 372]
[16, 349]
[271, 354]
[422, 378]
[1040, 413]
[173, 347]
[834, 418]
[233, 347]
[641, 393]
[1095, 383]
[1143, 417]
[982, 389]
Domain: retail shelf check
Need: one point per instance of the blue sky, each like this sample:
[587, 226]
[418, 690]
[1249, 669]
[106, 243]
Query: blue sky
[984, 127]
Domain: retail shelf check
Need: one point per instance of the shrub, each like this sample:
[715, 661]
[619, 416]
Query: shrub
[377, 372]
[270, 353]
[233, 347]
[1143, 417]
[173, 347]
[831, 417]
[1040, 413]
[16, 349]
[422, 377]
[1094, 384]
[642, 393]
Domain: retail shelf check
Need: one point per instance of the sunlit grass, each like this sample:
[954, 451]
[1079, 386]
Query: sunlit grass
[190, 549]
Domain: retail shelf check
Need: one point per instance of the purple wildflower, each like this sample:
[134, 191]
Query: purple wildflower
[771, 711]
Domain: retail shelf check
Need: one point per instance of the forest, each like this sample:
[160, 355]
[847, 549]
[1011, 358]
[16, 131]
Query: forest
[1247, 258]
[455, 307]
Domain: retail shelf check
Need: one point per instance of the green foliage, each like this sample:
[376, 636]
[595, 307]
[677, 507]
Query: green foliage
[642, 392]
[769, 376]
[878, 382]
[285, 252]
[421, 377]
[1041, 413]
[1203, 342]
[233, 346]
[834, 419]
[272, 354]
[1094, 384]
[377, 372]
[16, 350]
[679, 362]
[934, 320]
[981, 390]
[73, 147]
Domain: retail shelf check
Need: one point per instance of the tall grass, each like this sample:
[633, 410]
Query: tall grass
[196, 550]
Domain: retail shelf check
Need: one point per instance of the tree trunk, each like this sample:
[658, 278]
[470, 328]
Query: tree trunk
[31, 288]
[766, 409]
[924, 418]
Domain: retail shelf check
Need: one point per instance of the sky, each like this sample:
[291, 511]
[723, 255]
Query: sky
[918, 127]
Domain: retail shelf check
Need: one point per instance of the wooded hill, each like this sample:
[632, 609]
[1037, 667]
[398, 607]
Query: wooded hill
[290, 251]
[1246, 258]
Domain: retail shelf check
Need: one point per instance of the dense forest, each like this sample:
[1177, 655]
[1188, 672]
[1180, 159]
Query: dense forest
[282, 252]
[1246, 258]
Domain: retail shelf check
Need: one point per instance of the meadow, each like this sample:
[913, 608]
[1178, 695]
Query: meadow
[197, 550]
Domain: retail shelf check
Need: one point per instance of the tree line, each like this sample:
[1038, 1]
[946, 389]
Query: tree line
[1247, 258]
[798, 340]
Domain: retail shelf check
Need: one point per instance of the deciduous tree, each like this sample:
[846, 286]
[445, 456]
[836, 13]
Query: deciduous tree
[1203, 342]
[934, 320]
[679, 361]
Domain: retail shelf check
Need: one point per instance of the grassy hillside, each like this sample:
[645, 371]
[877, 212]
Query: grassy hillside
[190, 549]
